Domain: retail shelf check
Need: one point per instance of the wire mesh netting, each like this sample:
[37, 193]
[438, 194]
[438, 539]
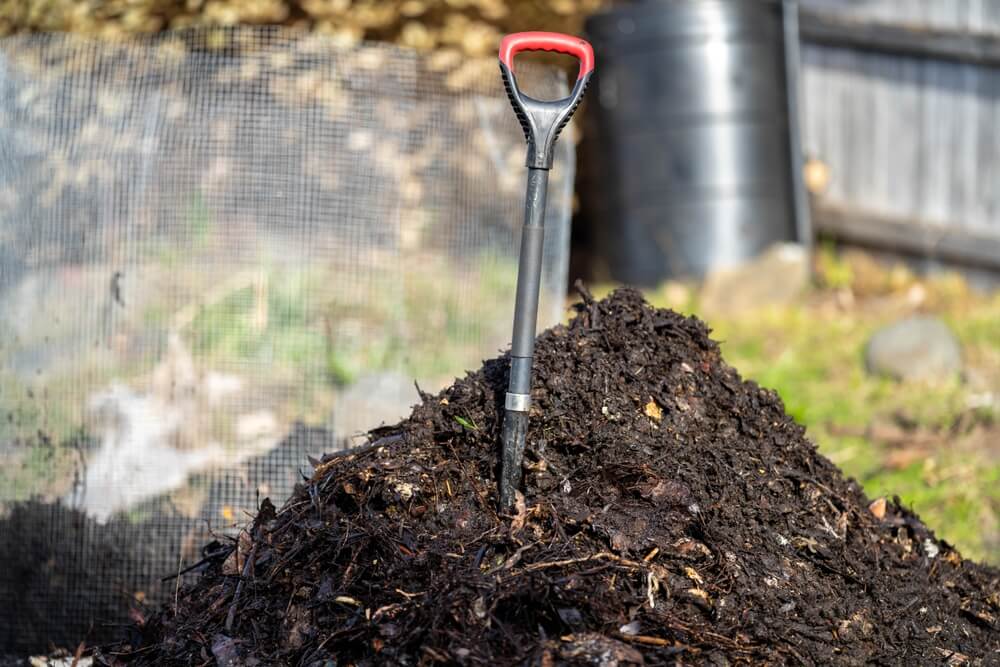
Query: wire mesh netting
[222, 251]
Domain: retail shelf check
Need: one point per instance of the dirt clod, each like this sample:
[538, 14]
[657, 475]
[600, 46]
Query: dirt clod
[713, 534]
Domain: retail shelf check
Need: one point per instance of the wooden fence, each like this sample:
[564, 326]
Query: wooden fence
[901, 99]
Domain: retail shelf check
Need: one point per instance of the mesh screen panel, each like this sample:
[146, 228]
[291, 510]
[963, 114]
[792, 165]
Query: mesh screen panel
[222, 251]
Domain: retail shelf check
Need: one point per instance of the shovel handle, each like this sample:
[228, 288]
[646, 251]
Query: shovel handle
[517, 42]
[541, 120]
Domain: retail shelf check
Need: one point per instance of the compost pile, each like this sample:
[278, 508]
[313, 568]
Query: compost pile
[672, 512]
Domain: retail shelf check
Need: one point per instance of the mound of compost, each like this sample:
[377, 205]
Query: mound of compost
[672, 514]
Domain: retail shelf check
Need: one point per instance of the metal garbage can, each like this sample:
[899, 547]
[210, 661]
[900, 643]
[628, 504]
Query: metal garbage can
[693, 162]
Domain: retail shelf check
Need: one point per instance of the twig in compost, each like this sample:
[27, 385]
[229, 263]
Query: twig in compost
[221, 554]
[353, 451]
[177, 580]
[78, 654]
[563, 563]
[602, 555]
[645, 639]
[231, 616]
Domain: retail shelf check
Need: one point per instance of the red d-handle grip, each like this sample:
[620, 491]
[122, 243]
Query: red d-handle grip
[513, 44]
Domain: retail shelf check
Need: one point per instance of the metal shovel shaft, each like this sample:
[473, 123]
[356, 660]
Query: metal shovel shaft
[541, 121]
[529, 277]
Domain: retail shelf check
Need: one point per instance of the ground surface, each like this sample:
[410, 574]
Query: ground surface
[671, 512]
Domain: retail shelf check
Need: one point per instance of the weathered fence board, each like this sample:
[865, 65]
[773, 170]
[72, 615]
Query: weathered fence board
[964, 15]
[908, 136]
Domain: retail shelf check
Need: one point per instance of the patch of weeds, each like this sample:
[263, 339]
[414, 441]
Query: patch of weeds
[833, 271]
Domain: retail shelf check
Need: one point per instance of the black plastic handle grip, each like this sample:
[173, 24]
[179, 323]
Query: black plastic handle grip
[542, 121]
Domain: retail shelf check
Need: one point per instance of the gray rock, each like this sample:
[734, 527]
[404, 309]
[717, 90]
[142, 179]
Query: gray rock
[917, 348]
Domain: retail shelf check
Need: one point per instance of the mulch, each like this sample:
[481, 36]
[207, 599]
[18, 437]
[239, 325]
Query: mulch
[672, 513]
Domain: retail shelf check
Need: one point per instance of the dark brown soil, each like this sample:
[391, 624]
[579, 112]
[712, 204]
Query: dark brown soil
[673, 514]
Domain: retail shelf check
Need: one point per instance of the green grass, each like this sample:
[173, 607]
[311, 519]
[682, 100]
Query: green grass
[427, 321]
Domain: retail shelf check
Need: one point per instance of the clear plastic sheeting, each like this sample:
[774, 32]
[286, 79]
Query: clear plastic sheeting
[222, 251]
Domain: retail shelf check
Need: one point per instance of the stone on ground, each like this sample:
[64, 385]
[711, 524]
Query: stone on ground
[916, 348]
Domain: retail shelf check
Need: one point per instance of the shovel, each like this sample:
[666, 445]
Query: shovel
[541, 121]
